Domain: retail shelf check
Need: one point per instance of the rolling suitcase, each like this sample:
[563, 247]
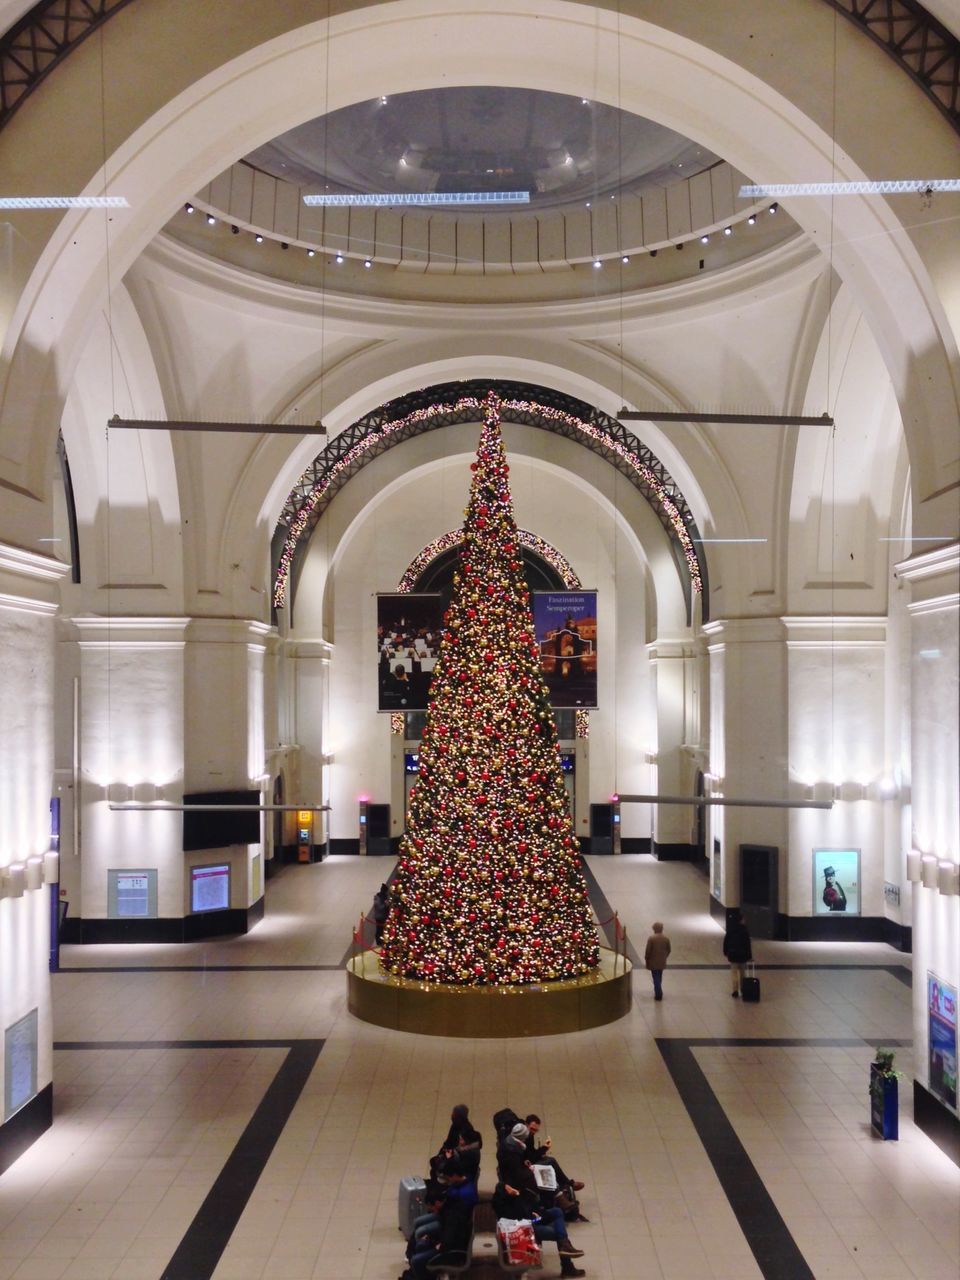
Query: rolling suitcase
[751, 985]
[410, 1203]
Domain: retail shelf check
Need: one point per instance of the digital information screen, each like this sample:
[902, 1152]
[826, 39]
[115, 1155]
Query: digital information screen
[20, 1063]
[210, 888]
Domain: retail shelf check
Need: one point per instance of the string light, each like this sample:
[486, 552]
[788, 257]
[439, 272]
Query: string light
[447, 541]
[657, 489]
[488, 887]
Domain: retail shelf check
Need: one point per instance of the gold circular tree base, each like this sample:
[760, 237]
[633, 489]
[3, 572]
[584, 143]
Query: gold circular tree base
[442, 1009]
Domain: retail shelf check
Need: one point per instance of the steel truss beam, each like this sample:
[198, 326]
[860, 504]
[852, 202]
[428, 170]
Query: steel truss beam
[920, 45]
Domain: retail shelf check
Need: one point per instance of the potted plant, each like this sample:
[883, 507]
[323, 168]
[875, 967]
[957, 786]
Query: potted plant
[884, 1094]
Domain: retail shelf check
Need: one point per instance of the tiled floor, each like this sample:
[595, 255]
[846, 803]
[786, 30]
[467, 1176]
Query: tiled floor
[147, 1128]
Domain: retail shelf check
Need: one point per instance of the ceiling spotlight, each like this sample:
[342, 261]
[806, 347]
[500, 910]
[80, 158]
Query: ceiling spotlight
[383, 101]
[704, 239]
[728, 231]
[588, 204]
[625, 260]
[653, 253]
[597, 262]
[210, 219]
[751, 221]
[284, 245]
[259, 238]
[585, 102]
[338, 259]
[773, 208]
[311, 253]
[367, 263]
[680, 245]
[235, 231]
[188, 208]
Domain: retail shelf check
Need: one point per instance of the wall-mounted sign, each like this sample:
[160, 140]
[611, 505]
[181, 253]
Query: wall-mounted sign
[836, 882]
[20, 1063]
[942, 1028]
[131, 894]
[891, 893]
[210, 888]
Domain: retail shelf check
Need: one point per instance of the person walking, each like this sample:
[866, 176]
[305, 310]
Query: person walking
[737, 949]
[655, 958]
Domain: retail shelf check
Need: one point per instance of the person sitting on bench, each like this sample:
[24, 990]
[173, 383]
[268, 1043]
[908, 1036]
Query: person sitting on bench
[523, 1202]
[461, 1149]
[541, 1154]
[446, 1231]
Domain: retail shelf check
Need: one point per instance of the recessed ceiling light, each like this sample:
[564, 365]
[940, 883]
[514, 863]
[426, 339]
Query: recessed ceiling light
[311, 253]
[188, 208]
[704, 239]
[624, 259]
[751, 221]
[64, 202]
[367, 263]
[728, 231]
[338, 259]
[597, 262]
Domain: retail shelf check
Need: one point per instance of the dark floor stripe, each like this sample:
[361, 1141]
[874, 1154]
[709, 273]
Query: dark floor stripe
[601, 905]
[198, 1253]
[774, 1248]
[178, 1044]
[202, 968]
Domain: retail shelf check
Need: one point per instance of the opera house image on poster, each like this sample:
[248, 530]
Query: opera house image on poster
[565, 624]
[408, 639]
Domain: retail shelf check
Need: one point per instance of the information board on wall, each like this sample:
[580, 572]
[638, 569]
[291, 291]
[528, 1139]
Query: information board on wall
[210, 888]
[942, 1027]
[20, 1063]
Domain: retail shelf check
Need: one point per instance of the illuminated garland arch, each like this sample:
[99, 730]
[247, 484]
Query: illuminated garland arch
[447, 541]
[452, 403]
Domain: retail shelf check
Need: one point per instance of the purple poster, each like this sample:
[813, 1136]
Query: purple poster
[565, 624]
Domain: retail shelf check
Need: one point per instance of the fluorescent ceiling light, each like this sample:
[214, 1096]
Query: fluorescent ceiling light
[421, 197]
[728, 539]
[893, 188]
[64, 202]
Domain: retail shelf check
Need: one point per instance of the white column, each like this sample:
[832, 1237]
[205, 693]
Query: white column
[748, 739]
[674, 667]
[310, 660]
[131, 748]
[29, 587]
[934, 584]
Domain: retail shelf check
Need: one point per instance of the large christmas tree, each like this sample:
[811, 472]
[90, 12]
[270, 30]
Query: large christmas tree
[489, 887]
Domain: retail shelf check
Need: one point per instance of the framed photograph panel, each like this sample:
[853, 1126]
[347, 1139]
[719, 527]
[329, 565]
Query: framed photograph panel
[408, 642]
[565, 623]
[942, 1028]
[836, 882]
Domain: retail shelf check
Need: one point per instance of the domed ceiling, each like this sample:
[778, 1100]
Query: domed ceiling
[561, 149]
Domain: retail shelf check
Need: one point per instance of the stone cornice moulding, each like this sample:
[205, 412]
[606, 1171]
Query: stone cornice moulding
[316, 650]
[24, 604]
[127, 633]
[936, 604]
[24, 571]
[842, 632]
[942, 561]
[795, 262]
[246, 631]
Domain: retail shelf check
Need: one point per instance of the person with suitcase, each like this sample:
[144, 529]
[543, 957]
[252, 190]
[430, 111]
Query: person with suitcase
[737, 949]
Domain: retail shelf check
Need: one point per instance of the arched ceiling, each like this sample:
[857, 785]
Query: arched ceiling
[559, 148]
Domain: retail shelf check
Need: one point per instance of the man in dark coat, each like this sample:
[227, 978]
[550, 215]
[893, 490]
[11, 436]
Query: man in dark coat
[736, 947]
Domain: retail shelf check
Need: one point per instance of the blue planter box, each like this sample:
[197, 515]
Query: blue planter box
[884, 1104]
